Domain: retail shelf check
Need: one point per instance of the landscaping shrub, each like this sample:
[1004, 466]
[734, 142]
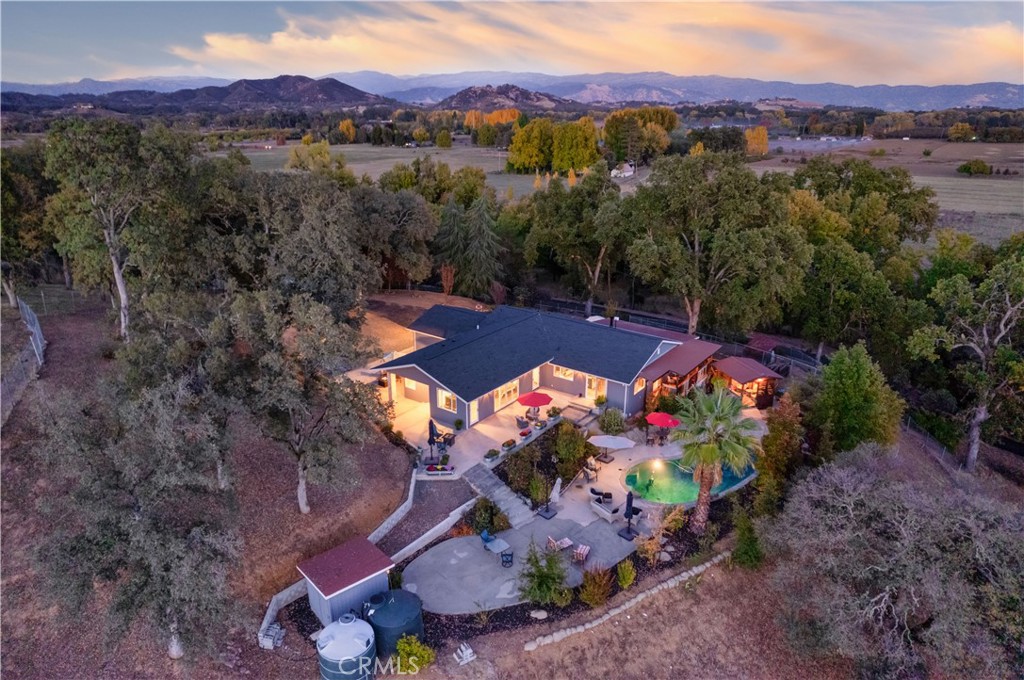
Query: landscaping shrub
[597, 587]
[747, 552]
[706, 543]
[521, 466]
[927, 152]
[395, 579]
[768, 498]
[462, 529]
[667, 403]
[412, 655]
[501, 522]
[570, 444]
[626, 574]
[975, 166]
[538, 489]
[563, 598]
[612, 421]
[877, 153]
[554, 411]
[943, 428]
[543, 578]
[483, 515]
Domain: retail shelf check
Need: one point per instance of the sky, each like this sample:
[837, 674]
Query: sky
[860, 43]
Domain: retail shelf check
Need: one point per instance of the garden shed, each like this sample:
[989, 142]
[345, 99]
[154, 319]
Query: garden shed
[342, 579]
[753, 382]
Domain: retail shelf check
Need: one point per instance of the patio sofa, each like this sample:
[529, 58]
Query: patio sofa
[605, 512]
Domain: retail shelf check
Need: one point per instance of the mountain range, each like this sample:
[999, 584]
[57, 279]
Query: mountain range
[599, 88]
[280, 92]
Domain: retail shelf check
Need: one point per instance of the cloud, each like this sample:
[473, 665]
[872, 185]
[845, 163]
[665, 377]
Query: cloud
[860, 43]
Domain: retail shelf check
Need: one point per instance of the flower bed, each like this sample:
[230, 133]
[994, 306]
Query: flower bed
[533, 469]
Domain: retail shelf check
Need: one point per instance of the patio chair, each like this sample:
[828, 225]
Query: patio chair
[557, 546]
[486, 536]
[600, 494]
[579, 556]
[522, 423]
[589, 475]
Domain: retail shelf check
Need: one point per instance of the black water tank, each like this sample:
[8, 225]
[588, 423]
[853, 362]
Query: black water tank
[394, 614]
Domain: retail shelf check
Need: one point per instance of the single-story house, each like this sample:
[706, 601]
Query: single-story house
[471, 365]
[753, 382]
[342, 579]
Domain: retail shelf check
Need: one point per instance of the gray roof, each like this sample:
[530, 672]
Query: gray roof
[511, 341]
[443, 321]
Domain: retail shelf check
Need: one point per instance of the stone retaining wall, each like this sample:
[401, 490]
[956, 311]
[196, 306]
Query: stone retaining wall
[559, 635]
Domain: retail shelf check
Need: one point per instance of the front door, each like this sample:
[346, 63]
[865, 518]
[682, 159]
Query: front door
[596, 387]
[536, 378]
[474, 412]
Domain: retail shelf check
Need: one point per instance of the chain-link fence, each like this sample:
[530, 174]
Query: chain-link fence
[946, 458]
[23, 368]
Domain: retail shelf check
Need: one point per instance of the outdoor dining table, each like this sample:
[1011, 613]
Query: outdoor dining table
[497, 546]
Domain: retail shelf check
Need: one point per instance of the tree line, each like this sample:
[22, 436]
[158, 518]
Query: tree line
[244, 292]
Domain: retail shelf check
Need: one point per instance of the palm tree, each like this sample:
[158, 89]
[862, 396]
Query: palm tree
[713, 434]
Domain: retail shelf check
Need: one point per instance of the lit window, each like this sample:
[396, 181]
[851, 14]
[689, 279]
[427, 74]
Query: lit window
[565, 373]
[641, 383]
[411, 384]
[446, 400]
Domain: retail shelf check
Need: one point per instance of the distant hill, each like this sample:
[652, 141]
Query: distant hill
[90, 86]
[660, 87]
[489, 98]
[281, 92]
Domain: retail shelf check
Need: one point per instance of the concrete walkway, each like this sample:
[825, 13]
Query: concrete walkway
[487, 484]
[459, 576]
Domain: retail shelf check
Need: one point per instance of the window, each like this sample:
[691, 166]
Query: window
[641, 383]
[506, 394]
[411, 384]
[564, 373]
[446, 400]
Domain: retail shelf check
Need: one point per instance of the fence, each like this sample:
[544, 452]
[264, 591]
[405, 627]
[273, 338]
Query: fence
[769, 358]
[938, 451]
[49, 299]
[23, 368]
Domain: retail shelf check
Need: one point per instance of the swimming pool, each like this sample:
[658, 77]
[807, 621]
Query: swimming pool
[666, 481]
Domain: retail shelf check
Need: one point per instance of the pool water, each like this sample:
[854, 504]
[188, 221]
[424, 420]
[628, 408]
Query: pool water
[666, 481]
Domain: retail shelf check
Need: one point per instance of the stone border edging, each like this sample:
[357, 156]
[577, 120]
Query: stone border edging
[559, 635]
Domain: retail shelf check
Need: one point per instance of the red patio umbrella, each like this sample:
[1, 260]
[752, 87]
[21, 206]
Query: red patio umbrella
[534, 399]
[659, 419]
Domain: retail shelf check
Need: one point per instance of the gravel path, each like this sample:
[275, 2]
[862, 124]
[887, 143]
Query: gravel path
[432, 502]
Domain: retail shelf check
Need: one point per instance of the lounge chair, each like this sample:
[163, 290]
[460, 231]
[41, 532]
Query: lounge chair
[604, 512]
[579, 556]
[559, 545]
[600, 494]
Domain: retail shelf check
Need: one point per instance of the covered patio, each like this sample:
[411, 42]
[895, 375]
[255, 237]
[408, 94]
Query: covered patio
[412, 420]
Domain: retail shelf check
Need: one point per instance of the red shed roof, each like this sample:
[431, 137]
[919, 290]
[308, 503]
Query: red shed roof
[681, 359]
[744, 370]
[344, 566]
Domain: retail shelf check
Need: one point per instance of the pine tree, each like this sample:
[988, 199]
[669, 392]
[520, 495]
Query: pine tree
[450, 242]
[479, 264]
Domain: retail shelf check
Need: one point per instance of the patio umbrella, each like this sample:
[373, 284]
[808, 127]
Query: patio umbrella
[628, 532]
[659, 419]
[534, 399]
[432, 435]
[609, 441]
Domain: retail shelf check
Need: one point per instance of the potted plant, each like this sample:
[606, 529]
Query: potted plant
[458, 423]
[554, 411]
[508, 444]
[492, 454]
[599, 403]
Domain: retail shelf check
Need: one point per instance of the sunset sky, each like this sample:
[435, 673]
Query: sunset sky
[854, 43]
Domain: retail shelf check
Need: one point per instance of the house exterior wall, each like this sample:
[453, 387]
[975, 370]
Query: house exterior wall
[423, 384]
[634, 402]
[350, 599]
[576, 386]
